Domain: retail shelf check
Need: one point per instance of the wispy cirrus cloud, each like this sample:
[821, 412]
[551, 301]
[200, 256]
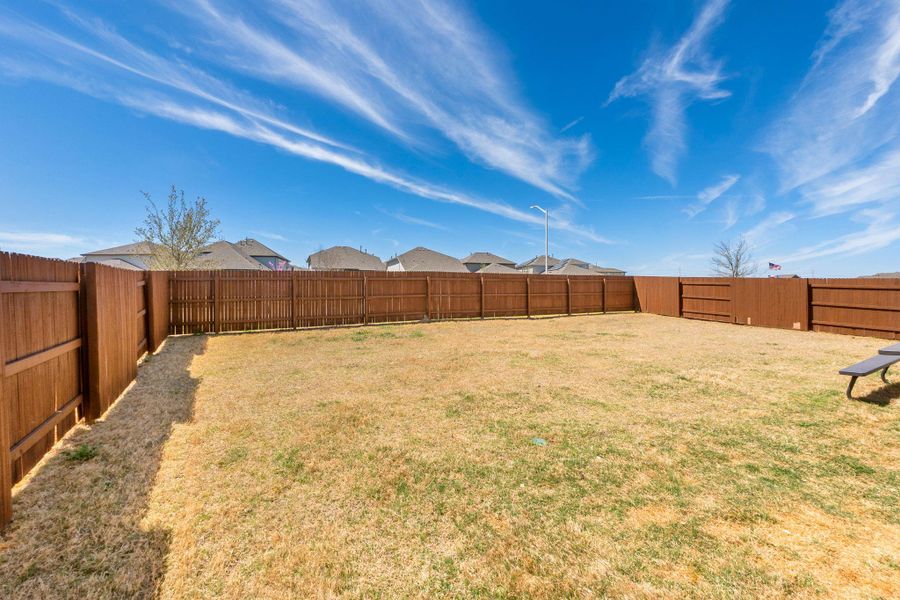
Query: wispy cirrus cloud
[672, 79]
[882, 229]
[108, 66]
[844, 115]
[401, 66]
[710, 194]
[837, 144]
[760, 234]
[411, 220]
[32, 239]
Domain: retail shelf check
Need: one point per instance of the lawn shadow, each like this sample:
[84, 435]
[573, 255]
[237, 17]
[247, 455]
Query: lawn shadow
[77, 528]
[881, 396]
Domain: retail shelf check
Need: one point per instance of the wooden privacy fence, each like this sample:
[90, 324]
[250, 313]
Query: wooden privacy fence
[868, 307]
[70, 338]
[217, 301]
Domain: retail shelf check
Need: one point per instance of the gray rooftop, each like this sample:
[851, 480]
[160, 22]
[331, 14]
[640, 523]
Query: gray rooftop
[538, 261]
[344, 258]
[486, 258]
[424, 259]
[570, 267]
[496, 268]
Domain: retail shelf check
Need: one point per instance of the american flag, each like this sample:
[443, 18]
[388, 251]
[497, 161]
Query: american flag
[774, 267]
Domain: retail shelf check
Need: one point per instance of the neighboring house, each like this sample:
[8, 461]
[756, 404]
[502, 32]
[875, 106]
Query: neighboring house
[895, 275]
[574, 266]
[423, 259]
[479, 260]
[571, 266]
[784, 276]
[497, 268]
[247, 254]
[605, 271]
[536, 264]
[343, 258]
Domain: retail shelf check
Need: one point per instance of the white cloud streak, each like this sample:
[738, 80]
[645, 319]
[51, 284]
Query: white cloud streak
[845, 113]
[439, 69]
[16, 239]
[673, 79]
[121, 72]
[709, 195]
[882, 230]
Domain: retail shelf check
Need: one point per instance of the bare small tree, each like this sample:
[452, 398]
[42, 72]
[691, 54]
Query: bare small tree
[733, 259]
[177, 235]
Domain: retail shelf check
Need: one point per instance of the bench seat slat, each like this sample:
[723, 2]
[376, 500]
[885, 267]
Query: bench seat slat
[870, 365]
[891, 350]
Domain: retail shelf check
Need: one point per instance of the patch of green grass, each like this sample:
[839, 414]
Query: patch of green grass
[288, 464]
[81, 453]
[232, 456]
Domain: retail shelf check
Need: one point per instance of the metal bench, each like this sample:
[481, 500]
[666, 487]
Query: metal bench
[881, 362]
[891, 350]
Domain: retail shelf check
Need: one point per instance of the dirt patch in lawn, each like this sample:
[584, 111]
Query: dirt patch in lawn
[619, 455]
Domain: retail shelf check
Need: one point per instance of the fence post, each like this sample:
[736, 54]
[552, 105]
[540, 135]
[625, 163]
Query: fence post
[148, 317]
[90, 344]
[569, 296]
[365, 299]
[528, 296]
[680, 298]
[5, 462]
[427, 297]
[294, 275]
[806, 303]
[482, 296]
[217, 325]
[604, 294]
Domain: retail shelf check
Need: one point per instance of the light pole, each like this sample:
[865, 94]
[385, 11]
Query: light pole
[546, 236]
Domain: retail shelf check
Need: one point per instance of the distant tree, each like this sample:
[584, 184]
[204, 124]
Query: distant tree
[177, 234]
[733, 259]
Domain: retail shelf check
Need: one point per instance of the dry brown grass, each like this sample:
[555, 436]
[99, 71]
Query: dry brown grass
[683, 459]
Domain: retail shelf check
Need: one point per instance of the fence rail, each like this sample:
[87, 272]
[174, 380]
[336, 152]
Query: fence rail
[217, 301]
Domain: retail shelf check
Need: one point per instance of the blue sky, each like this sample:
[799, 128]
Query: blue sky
[651, 130]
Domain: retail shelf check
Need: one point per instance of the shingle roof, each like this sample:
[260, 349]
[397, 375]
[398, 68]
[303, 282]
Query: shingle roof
[894, 275]
[135, 248]
[344, 258]
[252, 247]
[218, 255]
[224, 255]
[423, 259]
[539, 262]
[605, 270]
[570, 267]
[496, 268]
[486, 258]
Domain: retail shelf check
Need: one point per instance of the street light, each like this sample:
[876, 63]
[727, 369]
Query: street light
[546, 236]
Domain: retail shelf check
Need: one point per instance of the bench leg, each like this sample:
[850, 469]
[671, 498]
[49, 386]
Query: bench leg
[850, 387]
[884, 374]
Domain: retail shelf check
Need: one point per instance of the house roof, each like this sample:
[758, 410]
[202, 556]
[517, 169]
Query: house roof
[218, 255]
[576, 261]
[344, 258]
[570, 267]
[496, 268]
[135, 248]
[252, 247]
[486, 258]
[224, 255]
[605, 270]
[424, 259]
[538, 261]
[894, 275]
